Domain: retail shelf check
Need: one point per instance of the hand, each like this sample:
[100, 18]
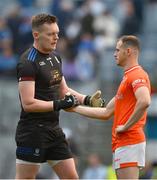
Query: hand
[95, 100]
[68, 102]
[120, 129]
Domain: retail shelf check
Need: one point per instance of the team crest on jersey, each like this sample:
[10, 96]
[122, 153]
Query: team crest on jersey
[55, 76]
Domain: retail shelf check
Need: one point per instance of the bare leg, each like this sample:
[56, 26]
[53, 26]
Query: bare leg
[26, 171]
[128, 173]
[66, 169]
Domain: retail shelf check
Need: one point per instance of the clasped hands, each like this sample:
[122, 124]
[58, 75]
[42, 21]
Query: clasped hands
[70, 101]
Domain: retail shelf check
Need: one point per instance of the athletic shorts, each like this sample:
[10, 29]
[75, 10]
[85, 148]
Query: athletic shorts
[40, 155]
[129, 156]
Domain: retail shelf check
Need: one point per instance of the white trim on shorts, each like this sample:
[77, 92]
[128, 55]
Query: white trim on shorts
[130, 155]
[20, 161]
[50, 162]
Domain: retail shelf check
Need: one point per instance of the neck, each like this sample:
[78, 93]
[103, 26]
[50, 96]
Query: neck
[39, 48]
[130, 63]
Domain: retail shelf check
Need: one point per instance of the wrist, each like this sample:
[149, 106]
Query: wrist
[87, 100]
[56, 105]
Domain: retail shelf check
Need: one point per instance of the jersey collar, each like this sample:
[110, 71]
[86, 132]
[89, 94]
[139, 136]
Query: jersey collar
[132, 68]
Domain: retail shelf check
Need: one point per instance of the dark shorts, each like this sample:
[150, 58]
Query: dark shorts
[39, 155]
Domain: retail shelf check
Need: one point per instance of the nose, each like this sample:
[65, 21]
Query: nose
[115, 54]
[56, 36]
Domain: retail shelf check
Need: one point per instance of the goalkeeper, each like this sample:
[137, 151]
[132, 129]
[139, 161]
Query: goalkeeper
[43, 93]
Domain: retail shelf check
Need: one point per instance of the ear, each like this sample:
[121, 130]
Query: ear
[129, 51]
[35, 35]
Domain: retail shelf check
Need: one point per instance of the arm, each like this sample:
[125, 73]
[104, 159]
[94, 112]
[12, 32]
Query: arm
[94, 100]
[95, 112]
[143, 101]
[64, 89]
[30, 104]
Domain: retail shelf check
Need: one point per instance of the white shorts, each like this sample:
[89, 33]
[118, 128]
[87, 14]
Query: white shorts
[130, 155]
[50, 162]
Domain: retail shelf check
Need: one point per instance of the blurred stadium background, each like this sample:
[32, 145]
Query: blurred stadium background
[88, 32]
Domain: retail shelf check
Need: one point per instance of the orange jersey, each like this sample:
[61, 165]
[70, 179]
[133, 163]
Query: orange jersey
[125, 101]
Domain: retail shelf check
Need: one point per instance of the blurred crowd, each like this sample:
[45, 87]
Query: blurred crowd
[87, 29]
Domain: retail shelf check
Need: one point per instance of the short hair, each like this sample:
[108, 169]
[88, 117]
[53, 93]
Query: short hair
[40, 19]
[130, 40]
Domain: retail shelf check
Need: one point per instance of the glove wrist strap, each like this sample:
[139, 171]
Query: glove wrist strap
[56, 105]
[87, 100]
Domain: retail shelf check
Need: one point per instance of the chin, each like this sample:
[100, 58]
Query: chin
[117, 62]
[53, 48]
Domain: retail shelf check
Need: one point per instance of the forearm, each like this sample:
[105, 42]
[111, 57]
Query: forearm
[142, 95]
[35, 105]
[136, 116]
[65, 89]
[97, 113]
[38, 106]
[79, 96]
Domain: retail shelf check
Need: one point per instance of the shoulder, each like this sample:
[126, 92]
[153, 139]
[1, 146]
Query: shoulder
[27, 60]
[139, 78]
[137, 74]
[29, 55]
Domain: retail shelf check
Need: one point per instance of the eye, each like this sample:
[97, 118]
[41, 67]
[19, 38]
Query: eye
[49, 34]
[56, 34]
[117, 50]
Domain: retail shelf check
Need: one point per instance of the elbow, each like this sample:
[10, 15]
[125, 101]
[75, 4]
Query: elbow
[106, 116]
[27, 107]
[145, 104]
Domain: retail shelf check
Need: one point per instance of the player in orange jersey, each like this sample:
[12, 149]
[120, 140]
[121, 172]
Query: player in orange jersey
[128, 107]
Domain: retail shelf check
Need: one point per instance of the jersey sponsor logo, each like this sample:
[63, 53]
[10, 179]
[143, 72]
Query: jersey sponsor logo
[42, 63]
[138, 81]
[49, 58]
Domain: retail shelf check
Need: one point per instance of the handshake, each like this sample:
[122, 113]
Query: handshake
[70, 101]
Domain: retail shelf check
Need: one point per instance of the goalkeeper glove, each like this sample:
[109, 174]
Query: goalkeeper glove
[68, 102]
[95, 100]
